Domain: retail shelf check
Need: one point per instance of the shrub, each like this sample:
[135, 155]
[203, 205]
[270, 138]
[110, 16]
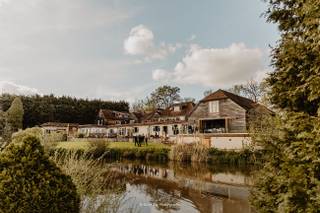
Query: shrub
[81, 135]
[19, 136]
[30, 182]
[98, 148]
[48, 141]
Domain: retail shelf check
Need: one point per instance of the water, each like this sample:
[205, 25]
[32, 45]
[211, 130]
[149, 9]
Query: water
[184, 188]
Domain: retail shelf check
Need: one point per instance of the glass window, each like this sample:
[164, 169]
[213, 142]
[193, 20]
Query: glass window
[213, 106]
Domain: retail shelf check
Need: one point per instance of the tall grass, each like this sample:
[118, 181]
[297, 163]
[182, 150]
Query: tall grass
[101, 189]
[189, 153]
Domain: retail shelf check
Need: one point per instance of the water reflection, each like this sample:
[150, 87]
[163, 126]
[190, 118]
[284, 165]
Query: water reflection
[175, 187]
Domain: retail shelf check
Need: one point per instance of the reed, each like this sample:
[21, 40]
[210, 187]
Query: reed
[101, 189]
[189, 153]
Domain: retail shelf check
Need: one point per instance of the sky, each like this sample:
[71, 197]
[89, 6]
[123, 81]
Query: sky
[124, 49]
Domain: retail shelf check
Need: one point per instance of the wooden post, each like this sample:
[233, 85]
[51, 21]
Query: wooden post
[226, 125]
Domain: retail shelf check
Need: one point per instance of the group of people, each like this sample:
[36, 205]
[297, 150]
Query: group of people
[139, 139]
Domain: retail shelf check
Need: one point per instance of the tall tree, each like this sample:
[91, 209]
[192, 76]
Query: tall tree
[2, 122]
[295, 83]
[48, 108]
[252, 90]
[290, 180]
[14, 115]
[164, 96]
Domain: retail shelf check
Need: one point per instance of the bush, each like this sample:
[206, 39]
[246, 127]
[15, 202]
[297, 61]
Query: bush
[19, 136]
[98, 148]
[81, 135]
[48, 141]
[30, 182]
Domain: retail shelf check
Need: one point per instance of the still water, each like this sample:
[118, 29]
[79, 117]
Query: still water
[173, 187]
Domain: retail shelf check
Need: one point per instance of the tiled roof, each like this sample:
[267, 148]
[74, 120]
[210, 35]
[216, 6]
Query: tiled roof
[58, 124]
[245, 103]
[185, 109]
[116, 115]
[92, 125]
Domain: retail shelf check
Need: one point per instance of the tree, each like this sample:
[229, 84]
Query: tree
[30, 182]
[207, 92]
[295, 83]
[2, 122]
[49, 108]
[290, 180]
[165, 96]
[252, 90]
[14, 115]
[138, 106]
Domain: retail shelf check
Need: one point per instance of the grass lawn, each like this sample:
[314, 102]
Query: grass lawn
[113, 145]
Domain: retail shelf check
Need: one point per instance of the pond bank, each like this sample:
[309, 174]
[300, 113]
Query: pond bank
[155, 152]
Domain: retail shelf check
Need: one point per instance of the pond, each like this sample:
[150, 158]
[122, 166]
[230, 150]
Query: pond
[176, 187]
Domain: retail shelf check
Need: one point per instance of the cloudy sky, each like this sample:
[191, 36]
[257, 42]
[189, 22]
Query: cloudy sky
[124, 49]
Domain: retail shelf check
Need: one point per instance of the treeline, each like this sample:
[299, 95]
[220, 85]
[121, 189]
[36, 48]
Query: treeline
[48, 108]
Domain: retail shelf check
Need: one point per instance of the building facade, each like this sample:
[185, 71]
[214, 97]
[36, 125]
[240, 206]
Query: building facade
[220, 120]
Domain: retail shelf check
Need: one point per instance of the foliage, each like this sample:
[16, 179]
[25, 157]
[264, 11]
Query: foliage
[295, 82]
[17, 137]
[290, 180]
[238, 158]
[116, 150]
[30, 182]
[101, 189]
[14, 114]
[41, 109]
[2, 122]
[162, 97]
[165, 96]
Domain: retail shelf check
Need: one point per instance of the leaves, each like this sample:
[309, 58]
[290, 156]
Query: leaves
[290, 181]
[30, 182]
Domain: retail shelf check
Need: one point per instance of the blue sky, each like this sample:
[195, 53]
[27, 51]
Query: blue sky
[124, 49]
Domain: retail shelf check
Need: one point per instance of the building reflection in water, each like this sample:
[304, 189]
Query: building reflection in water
[176, 187]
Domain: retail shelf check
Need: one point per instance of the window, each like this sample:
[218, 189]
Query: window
[213, 106]
[175, 129]
[176, 108]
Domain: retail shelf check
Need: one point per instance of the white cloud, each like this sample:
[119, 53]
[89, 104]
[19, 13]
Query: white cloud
[161, 74]
[141, 43]
[34, 16]
[215, 67]
[12, 88]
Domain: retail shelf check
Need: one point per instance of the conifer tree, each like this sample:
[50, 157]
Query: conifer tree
[14, 114]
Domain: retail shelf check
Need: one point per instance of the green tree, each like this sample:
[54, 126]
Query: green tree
[2, 122]
[164, 96]
[30, 182]
[290, 180]
[295, 83]
[41, 109]
[14, 114]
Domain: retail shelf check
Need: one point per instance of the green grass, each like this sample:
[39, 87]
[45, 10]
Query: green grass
[84, 145]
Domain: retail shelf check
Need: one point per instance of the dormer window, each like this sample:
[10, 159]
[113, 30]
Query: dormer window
[214, 106]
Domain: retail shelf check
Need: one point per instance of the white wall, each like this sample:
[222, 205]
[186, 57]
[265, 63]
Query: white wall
[230, 143]
[187, 139]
